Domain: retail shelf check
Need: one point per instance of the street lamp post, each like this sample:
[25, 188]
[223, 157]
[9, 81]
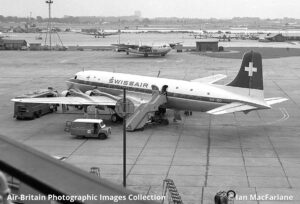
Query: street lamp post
[124, 137]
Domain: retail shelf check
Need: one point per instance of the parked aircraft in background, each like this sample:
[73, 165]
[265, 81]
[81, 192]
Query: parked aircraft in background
[219, 36]
[3, 36]
[144, 50]
[101, 33]
[154, 95]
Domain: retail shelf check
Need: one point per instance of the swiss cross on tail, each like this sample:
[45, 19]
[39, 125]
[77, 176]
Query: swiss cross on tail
[250, 69]
[251, 63]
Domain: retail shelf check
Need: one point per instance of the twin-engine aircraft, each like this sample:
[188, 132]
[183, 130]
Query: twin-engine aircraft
[101, 33]
[97, 88]
[143, 50]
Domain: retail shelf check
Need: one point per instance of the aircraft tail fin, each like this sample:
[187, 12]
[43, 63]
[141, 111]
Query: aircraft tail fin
[250, 75]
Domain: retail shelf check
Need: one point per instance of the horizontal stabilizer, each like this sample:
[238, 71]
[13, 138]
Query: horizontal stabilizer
[271, 101]
[231, 108]
[71, 100]
[210, 79]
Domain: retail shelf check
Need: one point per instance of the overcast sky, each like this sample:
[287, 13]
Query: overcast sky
[155, 8]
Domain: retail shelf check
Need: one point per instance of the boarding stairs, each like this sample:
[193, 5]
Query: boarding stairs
[171, 193]
[143, 112]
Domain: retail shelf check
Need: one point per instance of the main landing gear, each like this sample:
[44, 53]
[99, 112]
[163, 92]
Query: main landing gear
[160, 117]
[115, 118]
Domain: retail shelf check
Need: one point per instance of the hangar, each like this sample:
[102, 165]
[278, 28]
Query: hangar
[207, 45]
[292, 36]
[8, 44]
[35, 46]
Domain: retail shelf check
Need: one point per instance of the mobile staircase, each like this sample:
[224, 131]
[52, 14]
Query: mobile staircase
[171, 193]
[143, 113]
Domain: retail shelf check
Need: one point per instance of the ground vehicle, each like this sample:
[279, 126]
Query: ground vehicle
[35, 110]
[88, 128]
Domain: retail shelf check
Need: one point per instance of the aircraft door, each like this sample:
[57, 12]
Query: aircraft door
[164, 89]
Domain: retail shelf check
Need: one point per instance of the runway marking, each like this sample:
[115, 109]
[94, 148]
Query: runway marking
[208, 150]
[140, 153]
[242, 150]
[77, 148]
[285, 116]
[181, 128]
[282, 119]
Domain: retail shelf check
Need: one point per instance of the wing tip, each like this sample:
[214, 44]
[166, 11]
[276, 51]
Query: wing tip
[275, 100]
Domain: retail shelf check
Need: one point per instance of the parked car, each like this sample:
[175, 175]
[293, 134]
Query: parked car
[88, 128]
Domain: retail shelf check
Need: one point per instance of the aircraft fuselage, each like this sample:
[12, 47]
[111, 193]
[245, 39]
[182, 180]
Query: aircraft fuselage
[182, 95]
[153, 51]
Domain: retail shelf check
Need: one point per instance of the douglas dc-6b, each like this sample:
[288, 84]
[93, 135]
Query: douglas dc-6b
[151, 96]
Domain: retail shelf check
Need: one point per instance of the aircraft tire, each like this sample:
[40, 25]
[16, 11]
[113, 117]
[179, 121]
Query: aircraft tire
[162, 110]
[114, 118]
[165, 122]
[79, 107]
[102, 136]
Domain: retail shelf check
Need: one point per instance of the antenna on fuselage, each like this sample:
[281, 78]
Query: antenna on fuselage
[83, 69]
[158, 73]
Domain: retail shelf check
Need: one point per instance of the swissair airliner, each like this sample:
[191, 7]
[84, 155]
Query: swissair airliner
[245, 93]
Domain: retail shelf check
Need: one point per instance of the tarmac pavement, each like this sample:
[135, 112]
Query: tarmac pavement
[253, 154]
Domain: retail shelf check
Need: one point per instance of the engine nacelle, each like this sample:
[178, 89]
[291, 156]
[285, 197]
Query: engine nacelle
[65, 93]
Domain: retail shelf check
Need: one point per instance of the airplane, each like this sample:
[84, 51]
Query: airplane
[101, 33]
[3, 36]
[144, 50]
[244, 94]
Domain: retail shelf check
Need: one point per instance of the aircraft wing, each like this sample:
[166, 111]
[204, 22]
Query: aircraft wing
[210, 79]
[127, 46]
[145, 46]
[71, 100]
[107, 34]
[85, 33]
[231, 108]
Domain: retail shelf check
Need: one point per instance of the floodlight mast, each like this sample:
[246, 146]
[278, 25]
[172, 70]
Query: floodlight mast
[49, 2]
